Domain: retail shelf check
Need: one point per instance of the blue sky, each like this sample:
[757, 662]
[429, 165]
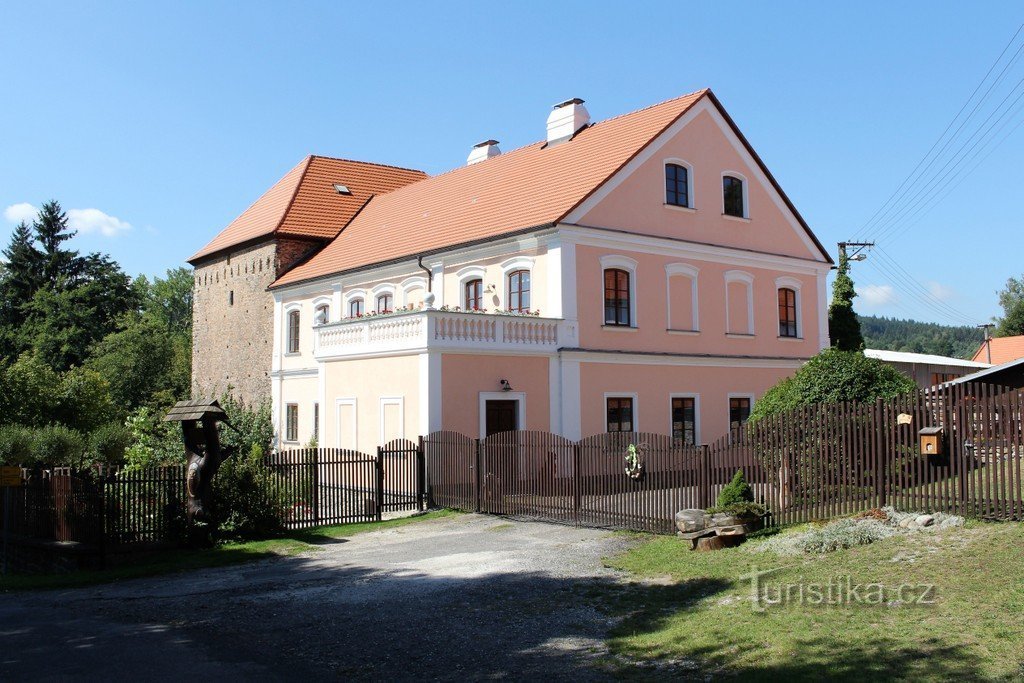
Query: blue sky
[168, 119]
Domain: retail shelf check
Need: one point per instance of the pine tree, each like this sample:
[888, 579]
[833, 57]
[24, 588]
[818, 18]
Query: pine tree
[20, 278]
[58, 265]
[843, 325]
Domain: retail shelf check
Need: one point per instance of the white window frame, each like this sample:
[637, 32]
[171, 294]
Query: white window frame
[507, 268]
[465, 275]
[746, 192]
[317, 303]
[391, 401]
[696, 413]
[284, 436]
[630, 266]
[728, 399]
[295, 306]
[485, 396]
[747, 279]
[636, 408]
[787, 282]
[682, 270]
[409, 284]
[338, 403]
[690, 194]
[349, 297]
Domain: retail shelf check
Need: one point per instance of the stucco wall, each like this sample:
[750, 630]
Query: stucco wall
[653, 386]
[465, 376]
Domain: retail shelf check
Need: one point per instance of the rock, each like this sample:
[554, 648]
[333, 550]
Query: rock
[906, 522]
[692, 520]
[924, 520]
[726, 519]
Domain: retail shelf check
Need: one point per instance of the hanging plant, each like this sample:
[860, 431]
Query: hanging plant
[634, 467]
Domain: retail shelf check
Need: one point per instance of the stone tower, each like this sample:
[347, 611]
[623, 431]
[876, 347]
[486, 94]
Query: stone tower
[232, 314]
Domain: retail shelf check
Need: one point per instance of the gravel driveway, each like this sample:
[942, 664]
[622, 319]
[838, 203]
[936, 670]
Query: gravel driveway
[461, 597]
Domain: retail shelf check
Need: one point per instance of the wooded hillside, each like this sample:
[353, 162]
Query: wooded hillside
[917, 337]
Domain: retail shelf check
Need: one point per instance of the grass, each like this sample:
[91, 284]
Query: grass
[224, 554]
[700, 618]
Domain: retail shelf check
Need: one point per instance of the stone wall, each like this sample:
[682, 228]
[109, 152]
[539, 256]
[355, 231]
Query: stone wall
[233, 319]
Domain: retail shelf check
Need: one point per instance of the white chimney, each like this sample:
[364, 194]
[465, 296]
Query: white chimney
[482, 151]
[566, 119]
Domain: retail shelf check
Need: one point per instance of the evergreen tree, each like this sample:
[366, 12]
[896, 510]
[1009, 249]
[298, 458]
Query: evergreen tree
[51, 232]
[843, 326]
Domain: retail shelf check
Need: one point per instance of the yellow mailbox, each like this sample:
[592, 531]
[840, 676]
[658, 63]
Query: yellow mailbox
[930, 440]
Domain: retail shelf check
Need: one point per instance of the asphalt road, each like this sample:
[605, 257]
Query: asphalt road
[466, 597]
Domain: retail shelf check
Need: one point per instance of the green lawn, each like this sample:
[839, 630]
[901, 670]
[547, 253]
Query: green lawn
[692, 612]
[221, 555]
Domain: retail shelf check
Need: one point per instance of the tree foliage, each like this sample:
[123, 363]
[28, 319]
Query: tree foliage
[1011, 298]
[843, 326]
[832, 376]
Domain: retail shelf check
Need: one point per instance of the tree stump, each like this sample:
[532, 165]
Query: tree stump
[717, 542]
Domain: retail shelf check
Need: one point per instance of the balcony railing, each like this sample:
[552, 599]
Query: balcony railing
[442, 330]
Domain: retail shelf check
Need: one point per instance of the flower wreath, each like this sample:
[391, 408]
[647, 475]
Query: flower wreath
[634, 468]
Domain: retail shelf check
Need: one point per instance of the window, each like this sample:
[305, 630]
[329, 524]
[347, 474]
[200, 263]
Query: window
[616, 297]
[739, 412]
[519, 290]
[316, 423]
[384, 303]
[732, 197]
[474, 297]
[787, 313]
[323, 314]
[677, 185]
[291, 422]
[684, 420]
[355, 308]
[231, 298]
[293, 331]
[620, 414]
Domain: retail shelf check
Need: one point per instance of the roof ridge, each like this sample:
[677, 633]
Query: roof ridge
[527, 145]
[295, 193]
[368, 163]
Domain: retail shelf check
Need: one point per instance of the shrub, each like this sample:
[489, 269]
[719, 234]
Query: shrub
[252, 428]
[248, 496]
[844, 533]
[59, 446]
[151, 441]
[15, 445]
[736, 491]
[742, 509]
[109, 443]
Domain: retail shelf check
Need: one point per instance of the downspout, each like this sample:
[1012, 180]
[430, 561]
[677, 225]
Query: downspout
[428, 271]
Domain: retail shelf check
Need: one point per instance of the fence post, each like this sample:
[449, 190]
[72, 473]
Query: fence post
[881, 459]
[379, 468]
[577, 483]
[477, 474]
[316, 486]
[103, 521]
[704, 478]
[421, 474]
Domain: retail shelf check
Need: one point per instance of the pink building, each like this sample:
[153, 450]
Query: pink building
[643, 273]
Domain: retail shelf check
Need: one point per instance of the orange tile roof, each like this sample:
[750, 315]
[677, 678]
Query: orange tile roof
[304, 202]
[532, 186]
[1004, 350]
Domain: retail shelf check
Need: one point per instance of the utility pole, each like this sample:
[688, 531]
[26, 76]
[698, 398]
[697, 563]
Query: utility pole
[988, 340]
[856, 255]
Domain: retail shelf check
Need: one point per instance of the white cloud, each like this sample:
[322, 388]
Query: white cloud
[877, 295]
[93, 220]
[941, 291]
[16, 213]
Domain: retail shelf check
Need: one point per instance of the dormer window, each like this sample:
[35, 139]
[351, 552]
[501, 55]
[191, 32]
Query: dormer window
[677, 185]
[733, 203]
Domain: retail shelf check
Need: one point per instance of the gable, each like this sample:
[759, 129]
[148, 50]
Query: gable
[704, 141]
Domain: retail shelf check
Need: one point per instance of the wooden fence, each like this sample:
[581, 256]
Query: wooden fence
[812, 463]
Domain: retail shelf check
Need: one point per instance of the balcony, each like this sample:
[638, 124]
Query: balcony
[442, 330]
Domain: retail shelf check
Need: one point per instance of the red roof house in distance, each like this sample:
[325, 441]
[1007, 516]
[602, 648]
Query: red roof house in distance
[1002, 350]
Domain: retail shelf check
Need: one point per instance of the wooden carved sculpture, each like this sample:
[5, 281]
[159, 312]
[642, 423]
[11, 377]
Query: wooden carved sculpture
[205, 454]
